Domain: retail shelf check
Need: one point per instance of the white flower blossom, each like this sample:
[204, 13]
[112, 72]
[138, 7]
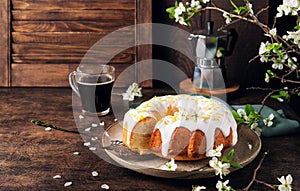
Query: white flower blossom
[206, 1]
[271, 116]
[269, 120]
[198, 188]
[179, 10]
[263, 48]
[195, 4]
[272, 32]
[294, 36]
[280, 99]
[285, 183]
[288, 7]
[222, 186]
[219, 167]
[255, 128]
[267, 78]
[181, 21]
[227, 18]
[263, 58]
[262, 51]
[241, 112]
[291, 62]
[132, 91]
[250, 6]
[275, 66]
[278, 66]
[169, 166]
[216, 152]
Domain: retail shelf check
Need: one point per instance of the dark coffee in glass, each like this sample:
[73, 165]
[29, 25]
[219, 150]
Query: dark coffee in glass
[95, 95]
[93, 84]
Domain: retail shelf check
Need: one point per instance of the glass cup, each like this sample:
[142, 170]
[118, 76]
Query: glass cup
[93, 84]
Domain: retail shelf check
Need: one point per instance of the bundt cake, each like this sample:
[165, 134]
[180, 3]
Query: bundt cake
[183, 127]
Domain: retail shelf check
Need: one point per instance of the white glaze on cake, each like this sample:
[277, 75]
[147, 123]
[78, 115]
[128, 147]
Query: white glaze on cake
[194, 113]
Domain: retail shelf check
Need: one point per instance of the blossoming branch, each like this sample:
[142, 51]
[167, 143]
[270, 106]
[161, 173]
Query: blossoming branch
[281, 52]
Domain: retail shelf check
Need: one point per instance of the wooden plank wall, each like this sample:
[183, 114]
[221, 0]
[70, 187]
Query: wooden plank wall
[4, 43]
[50, 37]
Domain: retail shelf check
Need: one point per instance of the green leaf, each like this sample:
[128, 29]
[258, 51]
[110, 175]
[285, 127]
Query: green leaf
[249, 109]
[235, 165]
[253, 115]
[270, 72]
[225, 160]
[233, 4]
[237, 118]
[230, 154]
[171, 11]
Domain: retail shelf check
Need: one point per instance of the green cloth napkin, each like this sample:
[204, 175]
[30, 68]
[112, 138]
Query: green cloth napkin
[281, 125]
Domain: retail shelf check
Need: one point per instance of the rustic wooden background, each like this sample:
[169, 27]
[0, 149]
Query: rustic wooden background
[43, 41]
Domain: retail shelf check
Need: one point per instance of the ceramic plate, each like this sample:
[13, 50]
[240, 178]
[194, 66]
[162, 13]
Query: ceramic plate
[246, 149]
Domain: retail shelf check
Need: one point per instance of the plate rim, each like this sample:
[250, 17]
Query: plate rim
[193, 174]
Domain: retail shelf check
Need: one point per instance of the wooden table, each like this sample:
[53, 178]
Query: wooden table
[31, 156]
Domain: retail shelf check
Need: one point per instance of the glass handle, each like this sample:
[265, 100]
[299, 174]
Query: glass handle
[72, 82]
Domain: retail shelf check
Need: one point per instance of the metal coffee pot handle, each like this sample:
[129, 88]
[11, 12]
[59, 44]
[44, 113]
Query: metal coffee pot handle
[232, 37]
